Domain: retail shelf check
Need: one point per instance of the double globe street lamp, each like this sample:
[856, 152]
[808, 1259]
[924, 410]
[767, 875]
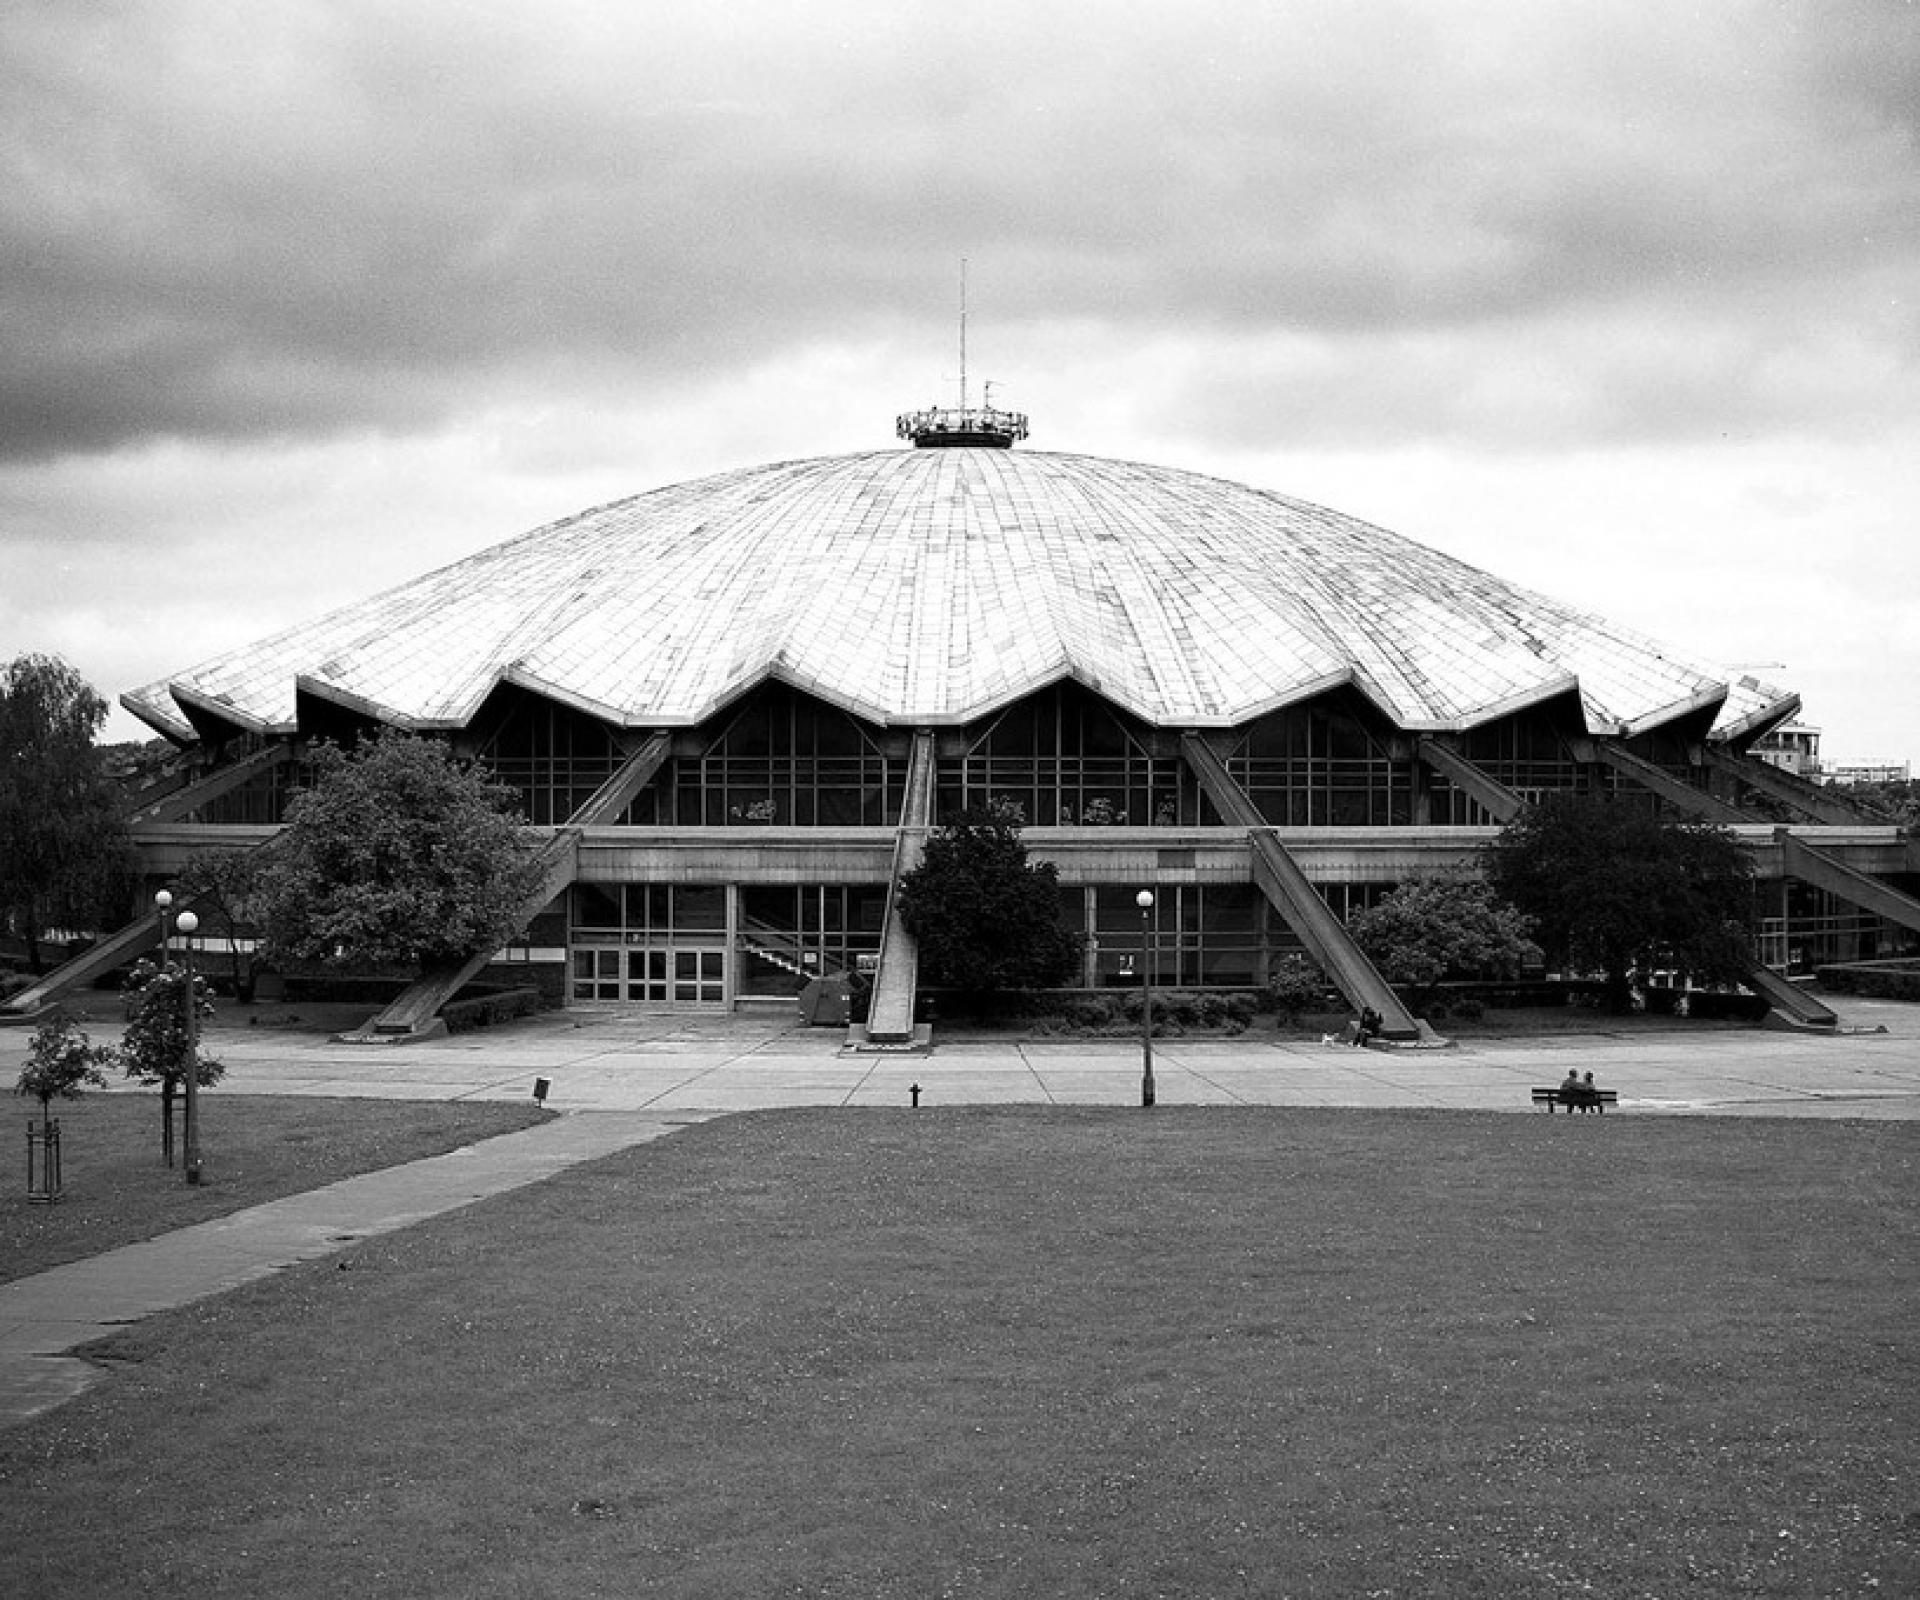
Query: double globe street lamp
[189, 925]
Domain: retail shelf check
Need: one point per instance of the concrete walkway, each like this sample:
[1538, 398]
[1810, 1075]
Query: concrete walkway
[622, 1079]
[43, 1316]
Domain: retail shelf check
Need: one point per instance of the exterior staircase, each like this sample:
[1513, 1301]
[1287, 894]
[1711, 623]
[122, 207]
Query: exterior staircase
[890, 1022]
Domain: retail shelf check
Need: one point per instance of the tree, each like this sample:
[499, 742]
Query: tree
[1447, 926]
[1896, 798]
[399, 854]
[1610, 887]
[985, 918]
[154, 1048]
[225, 887]
[65, 858]
[62, 1063]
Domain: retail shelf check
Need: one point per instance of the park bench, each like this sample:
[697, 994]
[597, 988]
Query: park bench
[1576, 1099]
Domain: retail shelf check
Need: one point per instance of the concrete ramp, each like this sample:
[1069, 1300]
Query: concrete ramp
[890, 1015]
[1279, 878]
[1789, 999]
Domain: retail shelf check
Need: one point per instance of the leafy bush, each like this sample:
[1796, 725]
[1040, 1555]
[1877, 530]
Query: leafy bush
[1096, 1011]
[1295, 985]
[1117, 1012]
[1468, 1008]
[1451, 925]
[153, 1050]
[484, 1010]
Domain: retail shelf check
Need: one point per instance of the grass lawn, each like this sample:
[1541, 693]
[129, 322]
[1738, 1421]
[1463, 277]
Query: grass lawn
[1061, 1353]
[253, 1149]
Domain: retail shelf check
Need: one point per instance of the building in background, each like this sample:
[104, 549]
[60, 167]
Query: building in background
[1792, 747]
[1865, 772]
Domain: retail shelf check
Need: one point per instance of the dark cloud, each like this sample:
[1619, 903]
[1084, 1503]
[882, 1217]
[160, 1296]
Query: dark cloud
[242, 222]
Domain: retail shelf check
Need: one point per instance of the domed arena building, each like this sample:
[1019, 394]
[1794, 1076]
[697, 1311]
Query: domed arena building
[734, 708]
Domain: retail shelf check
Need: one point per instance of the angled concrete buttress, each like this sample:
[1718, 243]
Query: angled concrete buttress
[634, 774]
[1493, 796]
[143, 932]
[890, 1021]
[1789, 788]
[1279, 878]
[1801, 860]
[1503, 804]
[1789, 999]
[1695, 802]
[415, 1013]
[190, 797]
[116, 950]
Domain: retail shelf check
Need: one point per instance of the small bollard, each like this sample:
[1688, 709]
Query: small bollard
[540, 1088]
[915, 1092]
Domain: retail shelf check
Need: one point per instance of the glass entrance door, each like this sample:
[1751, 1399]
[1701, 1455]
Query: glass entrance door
[674, 974]
[699, 977]
[660, 974]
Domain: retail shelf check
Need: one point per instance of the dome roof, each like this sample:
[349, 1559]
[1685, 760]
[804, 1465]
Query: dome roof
[922, 587]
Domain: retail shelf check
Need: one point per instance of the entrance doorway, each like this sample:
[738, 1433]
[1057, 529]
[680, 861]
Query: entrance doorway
[658, 974]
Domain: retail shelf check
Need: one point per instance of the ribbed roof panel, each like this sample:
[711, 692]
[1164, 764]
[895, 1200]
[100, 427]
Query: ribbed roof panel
[921, 587]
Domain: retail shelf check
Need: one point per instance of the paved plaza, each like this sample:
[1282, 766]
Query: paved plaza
[670, 1063]
[620, 1079]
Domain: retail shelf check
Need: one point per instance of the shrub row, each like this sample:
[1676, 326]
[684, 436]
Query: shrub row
[1877, 980]
[1175, 1011]
[477, 1009]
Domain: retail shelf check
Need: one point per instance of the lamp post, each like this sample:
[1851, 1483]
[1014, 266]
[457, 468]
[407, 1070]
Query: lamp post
[1144, 900]
[161, 904]
[189, 924]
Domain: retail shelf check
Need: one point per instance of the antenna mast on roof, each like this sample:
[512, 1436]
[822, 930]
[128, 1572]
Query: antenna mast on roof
[940, 428]
[963, 333]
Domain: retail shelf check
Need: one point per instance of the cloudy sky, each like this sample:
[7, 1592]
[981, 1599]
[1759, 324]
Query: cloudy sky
[1620, 301]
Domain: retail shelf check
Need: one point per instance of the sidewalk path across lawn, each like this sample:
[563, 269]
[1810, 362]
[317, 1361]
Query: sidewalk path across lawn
[43, 1316]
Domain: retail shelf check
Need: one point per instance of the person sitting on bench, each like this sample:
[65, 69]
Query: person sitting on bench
[1368, 1026]
[1572, 1091]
